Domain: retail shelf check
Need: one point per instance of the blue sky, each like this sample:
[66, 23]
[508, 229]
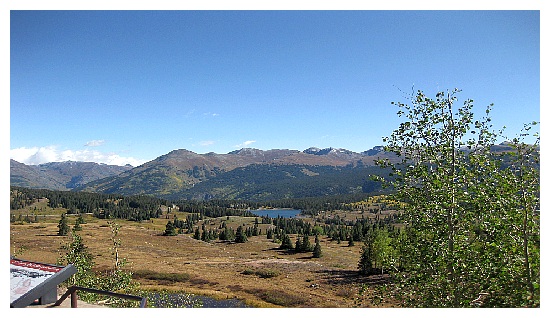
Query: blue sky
[124, 87]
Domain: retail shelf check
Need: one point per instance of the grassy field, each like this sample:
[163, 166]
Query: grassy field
[256, 271]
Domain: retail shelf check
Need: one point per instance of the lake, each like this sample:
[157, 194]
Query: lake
[273, 213]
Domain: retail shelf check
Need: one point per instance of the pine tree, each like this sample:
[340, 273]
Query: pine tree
[298, 245]
[222, 236]
[63, 226]
[240, 236]
[365, 261]
[317, 253]
[286, 243]
[170, 229]
[306, 244]
[197, 235]
[80, 219]
[77, 226]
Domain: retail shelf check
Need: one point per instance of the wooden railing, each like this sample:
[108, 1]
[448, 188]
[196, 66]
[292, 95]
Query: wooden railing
[74, 297]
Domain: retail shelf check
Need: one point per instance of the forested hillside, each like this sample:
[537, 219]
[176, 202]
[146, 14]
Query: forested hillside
[272, 182]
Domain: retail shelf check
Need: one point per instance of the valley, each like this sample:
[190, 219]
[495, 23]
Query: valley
[186, 225]
[256, 272]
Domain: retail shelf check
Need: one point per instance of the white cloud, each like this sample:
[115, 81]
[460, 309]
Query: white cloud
[94, 143]
[38, 155]
[34, 155]
[206, 143]
[245, 144]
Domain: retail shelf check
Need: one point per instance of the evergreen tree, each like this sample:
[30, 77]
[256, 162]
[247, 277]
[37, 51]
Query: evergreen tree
[298, 245]
[77, 226]
[230, 234]
[170, 229]
[197, 235]
[306, 244]
[286, 243]
[222, 236]
[365, 261]
[240, 236]
[63, 226]
[80, 219]
[227, 234]
[317, 253]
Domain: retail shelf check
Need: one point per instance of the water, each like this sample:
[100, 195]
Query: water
[273, 213]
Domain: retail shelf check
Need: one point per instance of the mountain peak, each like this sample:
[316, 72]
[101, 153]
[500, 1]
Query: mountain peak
[320, 152]
[374, 151]
[247, 151]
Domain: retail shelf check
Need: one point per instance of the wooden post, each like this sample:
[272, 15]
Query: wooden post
[74, 299]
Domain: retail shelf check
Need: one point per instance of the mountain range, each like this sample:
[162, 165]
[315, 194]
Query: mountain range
[248, 173]
[182, 174]
[60, 175]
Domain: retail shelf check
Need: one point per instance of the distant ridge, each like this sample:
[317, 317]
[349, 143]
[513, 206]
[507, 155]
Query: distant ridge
[60, 175]
[246, 173]
[178, 171]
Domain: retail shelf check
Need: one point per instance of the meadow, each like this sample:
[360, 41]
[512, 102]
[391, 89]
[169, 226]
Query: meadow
[256, 272]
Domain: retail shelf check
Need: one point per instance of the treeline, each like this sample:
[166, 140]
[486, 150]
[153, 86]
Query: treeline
[218, 208]
[22, 197]
[135, 208]
[310, 205]
[141, 207]
[314, 205]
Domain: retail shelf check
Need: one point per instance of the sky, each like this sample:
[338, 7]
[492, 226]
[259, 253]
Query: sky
[125, 87]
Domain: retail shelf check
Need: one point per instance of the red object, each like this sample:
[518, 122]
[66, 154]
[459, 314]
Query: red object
[42, 267]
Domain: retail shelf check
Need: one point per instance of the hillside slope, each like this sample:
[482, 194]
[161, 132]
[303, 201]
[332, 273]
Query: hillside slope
[185, 174]
[60, 175]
